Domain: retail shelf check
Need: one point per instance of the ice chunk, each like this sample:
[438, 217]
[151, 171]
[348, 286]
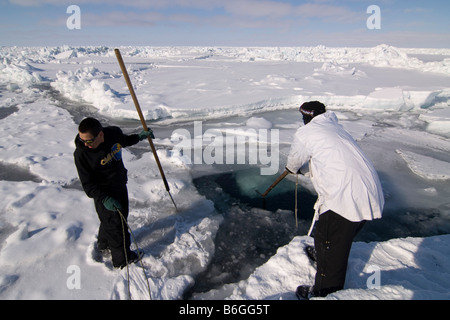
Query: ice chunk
[426, 167]
[259, 123]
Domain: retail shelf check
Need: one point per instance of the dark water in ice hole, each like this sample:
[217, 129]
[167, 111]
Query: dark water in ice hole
[253, 229]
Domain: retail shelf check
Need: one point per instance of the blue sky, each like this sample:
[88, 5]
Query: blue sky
[225, 23]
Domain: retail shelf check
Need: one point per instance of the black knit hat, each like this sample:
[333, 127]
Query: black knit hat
[90, 125]
[311, 109]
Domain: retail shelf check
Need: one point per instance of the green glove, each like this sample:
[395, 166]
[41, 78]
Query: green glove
[145, 134]
[112, 204]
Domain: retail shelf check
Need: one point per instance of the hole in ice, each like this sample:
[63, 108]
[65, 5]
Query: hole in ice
[12, 172]
[7, 111]
[253, 229]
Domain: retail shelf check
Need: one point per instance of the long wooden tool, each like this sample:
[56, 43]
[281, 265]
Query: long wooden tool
[141, 116]
[280, 178]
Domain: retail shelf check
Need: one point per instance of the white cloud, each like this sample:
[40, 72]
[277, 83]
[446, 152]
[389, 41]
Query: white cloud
[124, 3]
[122, 19]
[255, 8]
[322, 11]
[216, 13]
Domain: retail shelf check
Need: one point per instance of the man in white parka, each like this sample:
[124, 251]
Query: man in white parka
[348, 188]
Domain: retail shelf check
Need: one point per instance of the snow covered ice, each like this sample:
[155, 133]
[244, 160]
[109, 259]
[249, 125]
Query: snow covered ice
[394, 101]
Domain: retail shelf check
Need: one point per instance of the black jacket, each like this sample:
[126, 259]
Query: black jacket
[102, 168]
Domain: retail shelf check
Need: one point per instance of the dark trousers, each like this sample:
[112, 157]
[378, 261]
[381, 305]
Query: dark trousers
[333, 240]
[112, 228]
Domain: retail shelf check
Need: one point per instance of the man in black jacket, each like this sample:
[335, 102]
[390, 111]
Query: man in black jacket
[98, 158]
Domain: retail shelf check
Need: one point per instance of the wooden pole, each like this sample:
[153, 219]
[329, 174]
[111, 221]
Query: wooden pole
[141, 116]
[280, 178]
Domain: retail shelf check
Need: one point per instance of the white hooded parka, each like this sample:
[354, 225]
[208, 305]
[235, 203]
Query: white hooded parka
[343, 177]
